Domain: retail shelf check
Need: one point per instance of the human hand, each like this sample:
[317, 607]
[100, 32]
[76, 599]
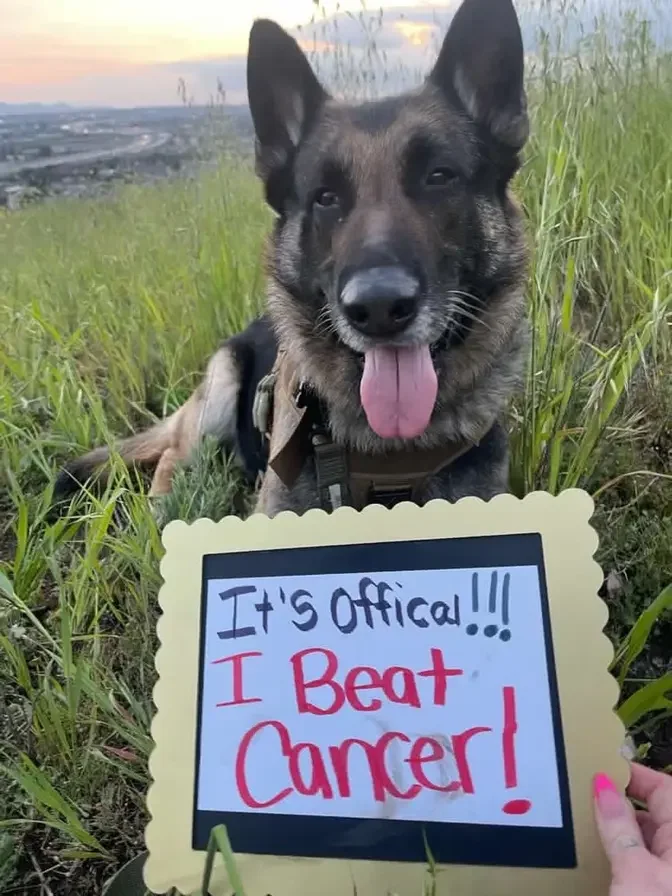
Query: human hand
[638, 844]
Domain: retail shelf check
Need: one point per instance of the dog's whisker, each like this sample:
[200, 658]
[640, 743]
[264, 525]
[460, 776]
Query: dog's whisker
[324, 325]
[467, 295]
[466, 299]
[324, 320]
[465, 308]
[456, 318]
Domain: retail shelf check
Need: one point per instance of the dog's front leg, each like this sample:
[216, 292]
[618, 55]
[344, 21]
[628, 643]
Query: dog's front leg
[274, 496]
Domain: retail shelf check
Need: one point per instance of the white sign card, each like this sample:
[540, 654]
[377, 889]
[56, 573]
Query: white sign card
[396, 694]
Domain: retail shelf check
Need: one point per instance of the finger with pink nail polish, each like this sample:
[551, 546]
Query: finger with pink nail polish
[636, 871]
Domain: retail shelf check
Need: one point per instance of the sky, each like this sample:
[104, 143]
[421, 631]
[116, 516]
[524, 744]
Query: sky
[133, 52]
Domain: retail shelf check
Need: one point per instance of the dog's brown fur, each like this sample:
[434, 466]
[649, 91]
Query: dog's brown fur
[219, 407]
[465, 236]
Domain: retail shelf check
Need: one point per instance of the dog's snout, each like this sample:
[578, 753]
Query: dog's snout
[381, 301]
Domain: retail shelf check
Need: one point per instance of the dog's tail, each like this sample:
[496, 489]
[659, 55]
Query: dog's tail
[143, 449]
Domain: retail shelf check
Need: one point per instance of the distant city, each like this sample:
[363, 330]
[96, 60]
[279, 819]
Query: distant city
[57, 150]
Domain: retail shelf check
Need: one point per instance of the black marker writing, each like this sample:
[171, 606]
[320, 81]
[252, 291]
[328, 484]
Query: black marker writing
[491, 628]
[265, 607]
[347, 612]
[302, 607]
[412, 607]
[336, 598]
[375, 603]
[381, 604]
[232, 594]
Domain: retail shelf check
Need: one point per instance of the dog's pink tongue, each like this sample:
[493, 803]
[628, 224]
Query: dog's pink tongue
[398, 391]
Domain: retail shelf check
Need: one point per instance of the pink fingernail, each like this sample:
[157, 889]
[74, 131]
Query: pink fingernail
[609, 801]
[602, 782]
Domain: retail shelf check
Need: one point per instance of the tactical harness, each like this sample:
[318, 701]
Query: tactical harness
[289, 414]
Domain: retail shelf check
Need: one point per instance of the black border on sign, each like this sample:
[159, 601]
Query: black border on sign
[392, 840]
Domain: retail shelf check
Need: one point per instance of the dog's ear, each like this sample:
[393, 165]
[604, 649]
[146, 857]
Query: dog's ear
[284, 97]
[481, 66]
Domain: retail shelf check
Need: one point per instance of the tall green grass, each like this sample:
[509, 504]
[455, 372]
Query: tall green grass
[108, 311]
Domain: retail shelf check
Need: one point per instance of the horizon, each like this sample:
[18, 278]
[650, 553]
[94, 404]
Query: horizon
[130, 55]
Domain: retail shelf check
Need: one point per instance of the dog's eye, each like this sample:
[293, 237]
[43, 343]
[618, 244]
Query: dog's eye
[440, 177]
[326, 199]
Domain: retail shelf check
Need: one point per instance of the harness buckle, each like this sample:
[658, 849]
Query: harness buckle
[331, 471]
[389, 496]
[262, 407]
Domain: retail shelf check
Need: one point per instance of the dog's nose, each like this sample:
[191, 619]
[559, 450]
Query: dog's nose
[381, 301]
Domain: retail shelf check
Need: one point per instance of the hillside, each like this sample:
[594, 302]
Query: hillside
[109, 310]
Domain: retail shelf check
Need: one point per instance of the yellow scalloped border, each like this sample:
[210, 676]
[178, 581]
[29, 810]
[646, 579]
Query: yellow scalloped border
[588, 693]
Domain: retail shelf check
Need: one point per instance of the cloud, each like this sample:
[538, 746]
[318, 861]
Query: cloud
[406, 40]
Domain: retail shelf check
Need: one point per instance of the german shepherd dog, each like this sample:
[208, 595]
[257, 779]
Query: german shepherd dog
[396, 272]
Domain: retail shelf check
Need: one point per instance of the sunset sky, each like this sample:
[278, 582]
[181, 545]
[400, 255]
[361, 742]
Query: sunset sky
[132, 52]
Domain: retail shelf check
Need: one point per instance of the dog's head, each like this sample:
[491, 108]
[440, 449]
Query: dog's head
[394, 222]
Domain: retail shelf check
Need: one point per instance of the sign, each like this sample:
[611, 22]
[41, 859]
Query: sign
[350, 706]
